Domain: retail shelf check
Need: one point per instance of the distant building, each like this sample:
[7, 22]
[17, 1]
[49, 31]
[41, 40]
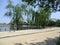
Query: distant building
[4, 27]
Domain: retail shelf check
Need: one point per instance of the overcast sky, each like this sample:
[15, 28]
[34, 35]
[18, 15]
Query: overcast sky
[4, 19]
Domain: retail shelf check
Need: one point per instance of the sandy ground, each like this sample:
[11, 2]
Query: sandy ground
[28, 36]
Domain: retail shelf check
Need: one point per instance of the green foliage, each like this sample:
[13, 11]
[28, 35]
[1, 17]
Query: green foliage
[51, 23]
[29, 1]
[38, 18]
[58, 23]
[53, 4]
[16, 13]
[54, 23]
[10, 8]
[42, 17]
[30, 16]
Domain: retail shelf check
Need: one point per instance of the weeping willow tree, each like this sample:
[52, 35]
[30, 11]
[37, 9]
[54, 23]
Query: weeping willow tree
[15, 12]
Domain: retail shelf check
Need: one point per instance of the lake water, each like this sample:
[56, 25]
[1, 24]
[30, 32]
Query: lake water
[4, 28]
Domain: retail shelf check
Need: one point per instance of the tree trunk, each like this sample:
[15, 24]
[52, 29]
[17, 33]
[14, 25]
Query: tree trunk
[17, 24]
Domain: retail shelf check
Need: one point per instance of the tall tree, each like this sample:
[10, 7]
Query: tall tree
[15, 12]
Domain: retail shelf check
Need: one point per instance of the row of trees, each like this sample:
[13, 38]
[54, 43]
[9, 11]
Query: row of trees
[41, 17]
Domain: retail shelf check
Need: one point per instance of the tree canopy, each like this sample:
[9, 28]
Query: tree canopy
[53, 4]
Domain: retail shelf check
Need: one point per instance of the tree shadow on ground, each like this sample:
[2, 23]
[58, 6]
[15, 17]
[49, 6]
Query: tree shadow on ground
[49, 41]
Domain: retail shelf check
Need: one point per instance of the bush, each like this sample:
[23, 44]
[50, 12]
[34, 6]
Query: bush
[58, 23]
[51, 23]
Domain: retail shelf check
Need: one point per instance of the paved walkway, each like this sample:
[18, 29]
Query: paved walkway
[28, 36]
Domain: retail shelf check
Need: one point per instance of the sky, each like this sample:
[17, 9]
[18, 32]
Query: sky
[3, 10]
